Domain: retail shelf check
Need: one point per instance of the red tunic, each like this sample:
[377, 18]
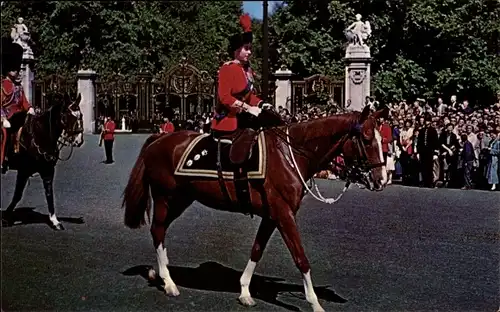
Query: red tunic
[167, 127]
[13, 98]
[234, 85]
[109, 130]
[386, 134]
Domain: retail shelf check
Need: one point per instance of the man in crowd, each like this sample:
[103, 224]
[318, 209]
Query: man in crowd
[428, 149]
[448, 148]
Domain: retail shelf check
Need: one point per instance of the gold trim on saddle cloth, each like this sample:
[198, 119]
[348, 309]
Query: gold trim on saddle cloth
[260, 174]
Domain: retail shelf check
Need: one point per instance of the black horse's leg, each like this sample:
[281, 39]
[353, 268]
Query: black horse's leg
[21, 180]
[48, 181]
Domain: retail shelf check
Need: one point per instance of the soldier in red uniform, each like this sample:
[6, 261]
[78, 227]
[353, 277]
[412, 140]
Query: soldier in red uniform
[167, 126]
[13, 100]
[108, 135]
[236, 85]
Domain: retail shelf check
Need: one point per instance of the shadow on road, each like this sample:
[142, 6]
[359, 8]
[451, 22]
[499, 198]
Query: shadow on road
[213, 276]
[28, 215]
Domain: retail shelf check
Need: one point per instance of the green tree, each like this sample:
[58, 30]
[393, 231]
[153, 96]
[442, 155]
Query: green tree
[126, 37]
[418, 47]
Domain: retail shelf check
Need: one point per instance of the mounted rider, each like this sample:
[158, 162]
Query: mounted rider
[236, 94]
[13, 99]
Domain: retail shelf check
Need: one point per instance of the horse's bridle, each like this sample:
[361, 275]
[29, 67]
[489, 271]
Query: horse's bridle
[64, 140]
[358, 171]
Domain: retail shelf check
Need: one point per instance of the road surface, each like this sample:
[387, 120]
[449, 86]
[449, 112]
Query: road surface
[404, 249]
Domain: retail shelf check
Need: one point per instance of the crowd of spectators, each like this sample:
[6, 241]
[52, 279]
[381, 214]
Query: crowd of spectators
[459, 146]
[463, 154]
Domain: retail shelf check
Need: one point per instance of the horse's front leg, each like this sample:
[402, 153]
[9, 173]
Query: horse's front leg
[288, 229]
[48, 181]
[21, 180]
[265, 231]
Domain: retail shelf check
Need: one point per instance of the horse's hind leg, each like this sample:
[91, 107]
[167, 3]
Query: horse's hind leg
[264, 233]
[21, 180]
[166, 210]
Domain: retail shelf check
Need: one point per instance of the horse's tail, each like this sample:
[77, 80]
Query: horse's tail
[136, 194]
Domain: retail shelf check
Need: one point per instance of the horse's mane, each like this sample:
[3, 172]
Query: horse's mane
[324, 126]
[47, 119]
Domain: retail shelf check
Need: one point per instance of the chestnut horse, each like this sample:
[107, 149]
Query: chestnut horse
[275, 198]
[41, 140]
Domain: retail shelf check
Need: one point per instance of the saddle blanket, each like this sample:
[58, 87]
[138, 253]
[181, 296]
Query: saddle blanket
[200, 159]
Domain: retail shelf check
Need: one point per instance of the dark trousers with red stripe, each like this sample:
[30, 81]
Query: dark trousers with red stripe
[108, 149]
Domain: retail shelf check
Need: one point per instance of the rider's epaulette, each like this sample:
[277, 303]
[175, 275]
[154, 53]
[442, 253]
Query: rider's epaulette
[229, 63]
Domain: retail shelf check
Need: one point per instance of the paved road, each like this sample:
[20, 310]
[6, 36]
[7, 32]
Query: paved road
[405, 249]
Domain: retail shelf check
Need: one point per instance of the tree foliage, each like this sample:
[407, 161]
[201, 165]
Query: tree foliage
[124, 37]
[424, 47]
[419, 48]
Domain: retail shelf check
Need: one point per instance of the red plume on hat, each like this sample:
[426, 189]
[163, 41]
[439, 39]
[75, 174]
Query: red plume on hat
[246, 23]
[239, 40]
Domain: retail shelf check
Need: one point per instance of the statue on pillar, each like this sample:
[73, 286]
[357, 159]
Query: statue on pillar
[358, 32]
[21, 35]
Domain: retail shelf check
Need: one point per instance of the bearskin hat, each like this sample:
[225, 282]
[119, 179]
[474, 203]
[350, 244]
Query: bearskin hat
[239, 40]
[11, 56]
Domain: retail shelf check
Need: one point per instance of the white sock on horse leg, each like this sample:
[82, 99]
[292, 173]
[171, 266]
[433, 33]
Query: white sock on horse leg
[53, 219]
[161, 256]
[309, 292]
[246, 277]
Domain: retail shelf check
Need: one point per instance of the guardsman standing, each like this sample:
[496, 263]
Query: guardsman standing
[109, 138]
[13, 100]
[167, 126]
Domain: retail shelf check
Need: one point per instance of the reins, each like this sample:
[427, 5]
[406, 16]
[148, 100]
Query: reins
[353, 173]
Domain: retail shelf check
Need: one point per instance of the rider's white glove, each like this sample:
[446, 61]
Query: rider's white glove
[31, 111]
[5, 123]
[254, 110]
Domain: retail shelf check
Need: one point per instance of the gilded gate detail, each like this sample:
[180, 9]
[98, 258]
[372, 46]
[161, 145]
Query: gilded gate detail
[180, 91]
[52, 88]
[316, 90]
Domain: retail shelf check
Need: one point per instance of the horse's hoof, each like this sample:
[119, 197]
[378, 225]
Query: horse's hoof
[151, 275]
[58, 227]
[7, 219]
[171, 290]
[318, 308]
[247, 301]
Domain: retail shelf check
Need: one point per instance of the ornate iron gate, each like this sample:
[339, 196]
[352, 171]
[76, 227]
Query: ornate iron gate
[316, 90]
[181, 91]
[52, 88]
[184, 91]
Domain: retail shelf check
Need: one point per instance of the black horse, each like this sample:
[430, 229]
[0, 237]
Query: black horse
[40, 142]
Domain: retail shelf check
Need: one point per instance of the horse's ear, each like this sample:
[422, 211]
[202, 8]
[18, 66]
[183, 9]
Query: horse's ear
[364, 114]
[78, 100]
[382, 113]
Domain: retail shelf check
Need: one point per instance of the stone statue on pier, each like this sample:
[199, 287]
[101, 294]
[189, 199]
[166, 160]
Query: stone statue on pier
[358, 32]
[21, 35]
[358, 60]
